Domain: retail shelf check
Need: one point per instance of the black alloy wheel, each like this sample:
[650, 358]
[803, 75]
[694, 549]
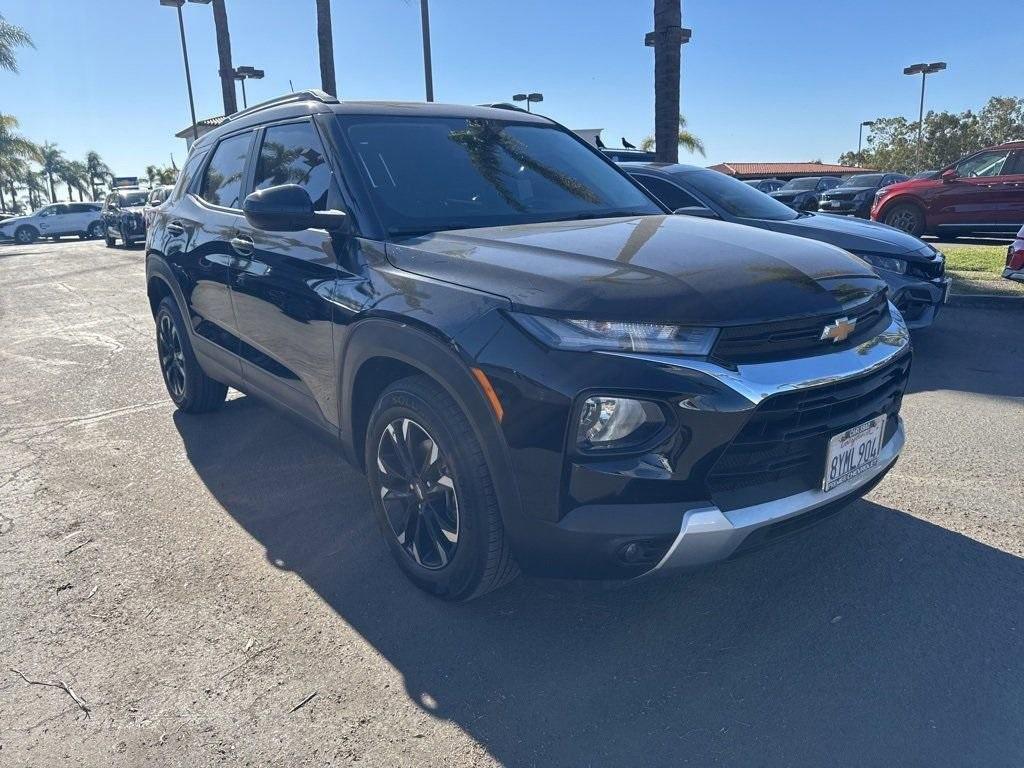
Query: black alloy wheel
[418, 493]
[172, 357]
[95, 231]
[906, 217]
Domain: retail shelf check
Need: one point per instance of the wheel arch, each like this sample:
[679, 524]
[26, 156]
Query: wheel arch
[904, 199]
[380, 352]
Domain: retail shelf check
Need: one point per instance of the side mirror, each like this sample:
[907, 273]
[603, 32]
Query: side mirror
[950, 175]
[287, 208]
[697, 210]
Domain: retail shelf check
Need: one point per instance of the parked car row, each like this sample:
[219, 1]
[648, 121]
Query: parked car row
[913, 269]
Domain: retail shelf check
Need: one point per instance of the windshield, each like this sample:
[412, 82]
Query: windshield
[805, 183]
[737, 198]
[133, 198]
[428, 174]
[863, 180]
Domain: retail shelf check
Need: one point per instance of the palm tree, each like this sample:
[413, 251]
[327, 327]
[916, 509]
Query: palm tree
[11, 37]
[52, 160]
[325, 41]
[668, 19]
[227, 80]
[15, 151]
[687, 140]
[35, 183]
[75, 174]
[95, 169]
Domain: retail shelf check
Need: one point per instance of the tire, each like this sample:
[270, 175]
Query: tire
[126, 240]
[423, 503]
[95, 231]
[188, 385]
[907, 217]
[25, 235]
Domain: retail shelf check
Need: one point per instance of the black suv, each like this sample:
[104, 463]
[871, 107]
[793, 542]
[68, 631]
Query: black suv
[124, 217]
[532, 362]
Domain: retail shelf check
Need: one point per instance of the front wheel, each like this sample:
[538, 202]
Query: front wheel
[187, 384]
[907, 217]
[25, 235]
[433, 494]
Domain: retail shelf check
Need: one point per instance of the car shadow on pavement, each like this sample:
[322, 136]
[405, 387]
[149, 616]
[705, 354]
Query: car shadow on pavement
[874, 638]
[970, 349]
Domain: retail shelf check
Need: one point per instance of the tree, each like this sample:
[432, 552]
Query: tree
[161, 175]
[15, 152]
[668, 19]
[12, 37]
[52, 160]
[35, 183]
[227, 78]
[95, 169]
[75, 175]
[947, 136]
[325, 42]
[687, 140]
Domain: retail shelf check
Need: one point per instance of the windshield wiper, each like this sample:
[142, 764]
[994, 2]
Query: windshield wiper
[601, 215]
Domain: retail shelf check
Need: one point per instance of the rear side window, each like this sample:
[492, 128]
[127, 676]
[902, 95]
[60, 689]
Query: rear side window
[222, 181]
[669, 194]
[293, 154]
[188, 174]
[81, 208]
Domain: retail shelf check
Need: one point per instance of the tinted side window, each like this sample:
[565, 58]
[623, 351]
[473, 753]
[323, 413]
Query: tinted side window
[669, 194]
[984, 164]
[292, 154]
[222, 182]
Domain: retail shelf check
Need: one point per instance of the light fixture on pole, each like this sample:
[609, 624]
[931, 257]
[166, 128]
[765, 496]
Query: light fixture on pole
[184, 53]
[246, 73]
[860, 134]
[924, 70]
[529, 98]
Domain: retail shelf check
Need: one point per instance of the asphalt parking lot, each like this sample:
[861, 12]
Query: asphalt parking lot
[194, 579]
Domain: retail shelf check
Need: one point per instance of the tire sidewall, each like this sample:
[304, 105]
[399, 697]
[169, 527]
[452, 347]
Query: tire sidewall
[169, 307]
[918, 216]
[30, 232]
[95, 231]
[457, 579]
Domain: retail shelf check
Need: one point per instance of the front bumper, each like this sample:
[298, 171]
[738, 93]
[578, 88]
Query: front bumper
[919, 301]
[1014, 274]
[846, 208]
[670, 502]
[708, 535]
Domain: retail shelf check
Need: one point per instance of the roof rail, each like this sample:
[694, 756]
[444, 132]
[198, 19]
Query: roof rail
[313, 94]
[503, 105]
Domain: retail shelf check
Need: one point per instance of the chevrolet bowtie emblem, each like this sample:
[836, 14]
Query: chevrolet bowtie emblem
[839, 330]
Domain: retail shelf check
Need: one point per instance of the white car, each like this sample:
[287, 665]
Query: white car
[56, 221]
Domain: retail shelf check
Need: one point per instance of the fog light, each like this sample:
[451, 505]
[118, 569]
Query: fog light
[613, 421]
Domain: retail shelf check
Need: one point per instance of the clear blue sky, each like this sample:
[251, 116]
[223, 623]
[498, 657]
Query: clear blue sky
[780, 80]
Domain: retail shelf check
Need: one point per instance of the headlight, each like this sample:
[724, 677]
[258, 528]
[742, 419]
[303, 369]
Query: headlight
[617, 422]
[885, 262]
[592, 335]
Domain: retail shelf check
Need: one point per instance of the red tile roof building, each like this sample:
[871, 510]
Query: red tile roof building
[785, 170]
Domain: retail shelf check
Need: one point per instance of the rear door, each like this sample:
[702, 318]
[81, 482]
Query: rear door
[196, 235]
[285, 324]
[1011, 194]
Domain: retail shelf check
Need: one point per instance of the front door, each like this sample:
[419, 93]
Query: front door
[973, 197]
[53, 220]
[279, 278]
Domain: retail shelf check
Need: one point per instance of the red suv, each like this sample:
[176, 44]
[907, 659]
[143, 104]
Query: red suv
[982, 193]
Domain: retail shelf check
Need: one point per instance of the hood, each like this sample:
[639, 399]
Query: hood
[790, 194]
[655, 268]
[852, 234]
[16, 219]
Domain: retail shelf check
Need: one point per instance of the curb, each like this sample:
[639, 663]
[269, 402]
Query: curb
[988, 301]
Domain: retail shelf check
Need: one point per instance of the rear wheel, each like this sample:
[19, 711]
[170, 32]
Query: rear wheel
[95, 231]
[433, 494]
[906, 216]
[187, 384]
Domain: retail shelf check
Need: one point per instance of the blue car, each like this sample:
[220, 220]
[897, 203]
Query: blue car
[914, 270]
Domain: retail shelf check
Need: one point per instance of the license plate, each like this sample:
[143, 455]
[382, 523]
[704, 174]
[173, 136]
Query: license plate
[853, 452]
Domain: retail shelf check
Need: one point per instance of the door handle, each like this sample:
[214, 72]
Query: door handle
[243, 246]
[176, 228]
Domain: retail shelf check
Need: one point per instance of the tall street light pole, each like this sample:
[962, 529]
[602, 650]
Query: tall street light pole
[184, 53]
[924, 70]
[860, 134]
[428, 70]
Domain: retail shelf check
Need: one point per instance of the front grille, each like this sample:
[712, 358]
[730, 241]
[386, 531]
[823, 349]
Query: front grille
[788, 339]
[839, 196]
[781, 450]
